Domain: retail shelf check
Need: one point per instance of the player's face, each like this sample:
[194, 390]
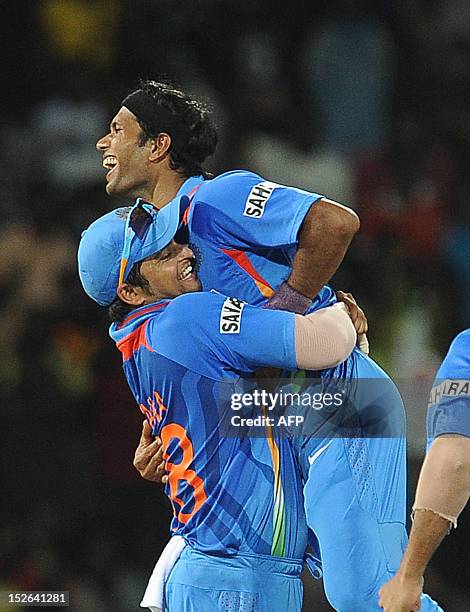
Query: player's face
[171, 272]
[129, 169]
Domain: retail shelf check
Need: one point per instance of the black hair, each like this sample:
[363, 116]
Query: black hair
[202, 134]
[118, 309]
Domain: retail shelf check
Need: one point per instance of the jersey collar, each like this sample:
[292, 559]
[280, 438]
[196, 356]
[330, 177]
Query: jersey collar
[136, 318]
[190, 185]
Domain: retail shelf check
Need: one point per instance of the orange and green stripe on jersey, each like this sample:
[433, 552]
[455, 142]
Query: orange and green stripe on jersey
[241, 258]
[278, 547]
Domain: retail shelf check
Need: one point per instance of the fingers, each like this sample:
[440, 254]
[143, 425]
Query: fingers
[342, 296]
[148, 458]
[356, 313]
[146, 437]
[144, 453]
[154, 469]
[363, 343]
[396, 597]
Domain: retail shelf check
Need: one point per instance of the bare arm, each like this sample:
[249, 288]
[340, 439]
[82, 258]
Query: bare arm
[442, 493]
[324, 238]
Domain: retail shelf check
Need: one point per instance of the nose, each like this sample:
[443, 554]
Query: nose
[103, 143]
[184, 251]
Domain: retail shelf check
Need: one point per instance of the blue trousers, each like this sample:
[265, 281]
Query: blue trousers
[355, 491]
[208, 583]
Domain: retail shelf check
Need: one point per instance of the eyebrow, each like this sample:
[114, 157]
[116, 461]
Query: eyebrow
[160, 254]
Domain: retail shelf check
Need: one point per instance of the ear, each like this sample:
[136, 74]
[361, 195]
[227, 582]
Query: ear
[135, 296]
[160, 147]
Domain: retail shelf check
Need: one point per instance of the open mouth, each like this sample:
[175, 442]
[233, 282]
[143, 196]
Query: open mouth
[110, 163]
[188, 271]
[197, 257]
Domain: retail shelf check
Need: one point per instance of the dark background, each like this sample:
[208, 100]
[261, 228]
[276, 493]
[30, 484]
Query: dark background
[367, 102]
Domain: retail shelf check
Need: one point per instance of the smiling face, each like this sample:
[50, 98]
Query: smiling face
[130, 171]
[169, 273]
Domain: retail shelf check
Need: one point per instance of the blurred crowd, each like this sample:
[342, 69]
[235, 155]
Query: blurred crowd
[365, 102]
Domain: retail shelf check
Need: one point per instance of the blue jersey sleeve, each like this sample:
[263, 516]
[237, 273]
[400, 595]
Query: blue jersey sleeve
[240, 209]
[221, 337]
[449, 402]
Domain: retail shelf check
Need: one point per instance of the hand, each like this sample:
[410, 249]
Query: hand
[148, 458]
[358, 318]
[401, 594]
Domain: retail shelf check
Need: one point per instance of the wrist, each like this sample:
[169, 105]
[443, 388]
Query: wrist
[407, 574]
[288, 298]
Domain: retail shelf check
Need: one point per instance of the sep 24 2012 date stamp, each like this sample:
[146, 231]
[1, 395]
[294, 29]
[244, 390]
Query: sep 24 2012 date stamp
[35, 598]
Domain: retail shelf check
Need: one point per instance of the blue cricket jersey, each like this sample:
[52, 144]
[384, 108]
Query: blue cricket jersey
[244, 230]
[229, 494]
[449, 401]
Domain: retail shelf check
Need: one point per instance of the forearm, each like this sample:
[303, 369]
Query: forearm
[442, 493]
[324, 238]
[427, 532]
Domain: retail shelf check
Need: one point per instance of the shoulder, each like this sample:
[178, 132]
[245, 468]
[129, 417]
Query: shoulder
[233, 177]
[188, 332]
[246, 184]
[461, 342]
[227, 186]
[180, 332]
[190, 312]
[190, 303]
[457, 360]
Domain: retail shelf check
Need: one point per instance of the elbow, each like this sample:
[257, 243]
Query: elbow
[346, 345]
[324, 338]
[347, 224]
[340, 335]
[338, 220]
[451, 453]
[355, 222]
